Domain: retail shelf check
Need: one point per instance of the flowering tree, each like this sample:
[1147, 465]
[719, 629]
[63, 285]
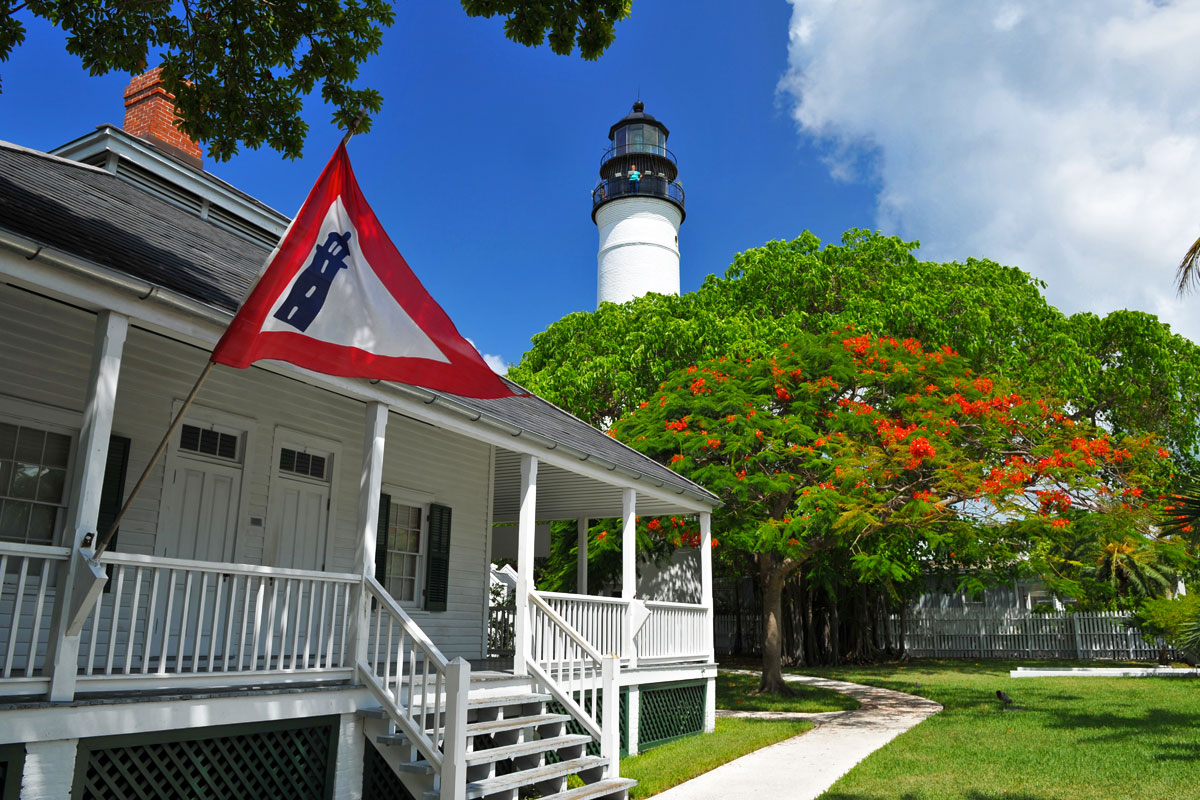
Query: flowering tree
[890, 454]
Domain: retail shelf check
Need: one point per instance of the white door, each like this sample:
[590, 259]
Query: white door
[299, 520]
[198, 522]
[202, 521]
[299, 504]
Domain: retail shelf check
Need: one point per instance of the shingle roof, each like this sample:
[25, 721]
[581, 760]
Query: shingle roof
[93, 214]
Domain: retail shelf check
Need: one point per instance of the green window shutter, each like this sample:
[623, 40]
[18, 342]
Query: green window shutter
[381, 539]
[112, 490]
[437, 562]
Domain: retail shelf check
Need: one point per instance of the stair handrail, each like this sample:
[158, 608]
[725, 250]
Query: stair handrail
[559, 658]
[414, 717]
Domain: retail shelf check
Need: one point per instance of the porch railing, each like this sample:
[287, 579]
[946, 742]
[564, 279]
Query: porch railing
[409, 676]
[171, 617]
[27, 574]
[673, 632]
[602, 621]
[582, 680]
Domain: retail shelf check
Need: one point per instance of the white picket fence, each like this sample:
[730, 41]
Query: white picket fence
[1101, 635]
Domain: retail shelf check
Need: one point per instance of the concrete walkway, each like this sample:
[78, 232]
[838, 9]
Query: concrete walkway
[803, 767]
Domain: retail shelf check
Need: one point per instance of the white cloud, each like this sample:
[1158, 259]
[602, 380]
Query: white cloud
[1062, 138]
[497, 363]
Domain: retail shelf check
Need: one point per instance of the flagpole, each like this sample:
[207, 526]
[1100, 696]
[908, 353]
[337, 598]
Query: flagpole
[162, 446]
[353, 128]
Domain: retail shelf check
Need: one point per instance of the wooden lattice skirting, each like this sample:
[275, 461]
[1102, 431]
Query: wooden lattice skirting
[293, 759]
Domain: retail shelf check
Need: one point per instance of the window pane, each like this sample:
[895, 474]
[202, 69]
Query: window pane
[287, 460]
[41, 524]
[29, 445]
[14, 517]
[6, 469]
[25, 480]
[410, 566]
[407, 591]
[414, 518]
[8, 439]
[51, 486]
[227, 448]
[189, 438]
[58, 448]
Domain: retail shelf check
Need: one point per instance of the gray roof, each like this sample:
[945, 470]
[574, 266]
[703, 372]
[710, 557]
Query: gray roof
[96, 216]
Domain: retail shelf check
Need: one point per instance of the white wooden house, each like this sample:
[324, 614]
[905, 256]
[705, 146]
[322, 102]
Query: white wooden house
[295, 599]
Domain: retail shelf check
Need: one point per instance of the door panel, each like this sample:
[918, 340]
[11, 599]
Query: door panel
[299, 521]
[199, 524]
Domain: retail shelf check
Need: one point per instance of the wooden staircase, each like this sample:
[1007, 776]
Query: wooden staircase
[515, 748]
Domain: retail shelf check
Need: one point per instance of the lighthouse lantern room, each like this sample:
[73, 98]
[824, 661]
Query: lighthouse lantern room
[638, 208]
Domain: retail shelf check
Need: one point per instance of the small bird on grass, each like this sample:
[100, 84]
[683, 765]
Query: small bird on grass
[1003, 697]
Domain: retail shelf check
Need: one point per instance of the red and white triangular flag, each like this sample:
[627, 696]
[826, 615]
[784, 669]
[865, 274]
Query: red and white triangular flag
[337, 297]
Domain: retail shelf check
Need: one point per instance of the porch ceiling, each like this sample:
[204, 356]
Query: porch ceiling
[562, 494]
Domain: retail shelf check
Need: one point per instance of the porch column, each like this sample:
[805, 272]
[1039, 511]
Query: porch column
[706, 600]
[374, 439]
[369, 482]
[49, 769]
[628, 544]
[78, 584]
[526, 522]
[581, 566]
[629, 571]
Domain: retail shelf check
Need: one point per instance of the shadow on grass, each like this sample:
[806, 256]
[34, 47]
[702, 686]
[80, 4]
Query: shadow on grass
[975, 795]
[1119, 727]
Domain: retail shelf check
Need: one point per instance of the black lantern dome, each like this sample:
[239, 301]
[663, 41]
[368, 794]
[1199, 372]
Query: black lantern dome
[638, 149]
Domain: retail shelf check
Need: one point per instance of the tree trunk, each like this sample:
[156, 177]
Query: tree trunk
[737, 617]
[772, 585]
[835, 630]
[810, 636]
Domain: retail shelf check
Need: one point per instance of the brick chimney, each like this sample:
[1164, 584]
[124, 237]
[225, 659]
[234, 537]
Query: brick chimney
[150, 115]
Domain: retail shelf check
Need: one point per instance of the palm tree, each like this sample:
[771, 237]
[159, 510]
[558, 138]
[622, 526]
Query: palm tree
[1188, 274]
[1133, 569]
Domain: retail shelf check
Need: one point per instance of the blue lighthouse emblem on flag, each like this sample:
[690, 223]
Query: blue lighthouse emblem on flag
[311, 288]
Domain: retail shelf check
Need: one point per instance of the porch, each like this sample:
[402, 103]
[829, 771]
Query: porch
[209, 592]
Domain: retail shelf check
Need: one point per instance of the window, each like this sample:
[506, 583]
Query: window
[296, 462]
[33, 483]
[403, 550]
[209, 442]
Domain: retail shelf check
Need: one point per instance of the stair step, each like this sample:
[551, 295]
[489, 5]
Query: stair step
[400, 737]
[508, 700]
[372, 713]
[598, 789]
[516, 723]
[526, 777]
[526, 748]
[420, 767]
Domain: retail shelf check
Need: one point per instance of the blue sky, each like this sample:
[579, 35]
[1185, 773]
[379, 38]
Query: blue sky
[1060, 138]
[482, 161]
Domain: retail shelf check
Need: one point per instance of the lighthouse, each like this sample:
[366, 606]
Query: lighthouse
[637, 207]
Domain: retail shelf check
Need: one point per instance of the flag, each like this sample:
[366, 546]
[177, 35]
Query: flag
[337, 297]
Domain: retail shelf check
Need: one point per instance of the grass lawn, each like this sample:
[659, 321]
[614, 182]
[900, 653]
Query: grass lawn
[670, 764]
[737, 692]
[1077, 739]
[683, 759]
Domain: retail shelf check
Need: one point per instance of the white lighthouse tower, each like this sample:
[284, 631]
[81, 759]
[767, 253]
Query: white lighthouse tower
[638, 208]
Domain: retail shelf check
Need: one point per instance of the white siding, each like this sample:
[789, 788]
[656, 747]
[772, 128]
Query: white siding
[46, 361]
[454, 470]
